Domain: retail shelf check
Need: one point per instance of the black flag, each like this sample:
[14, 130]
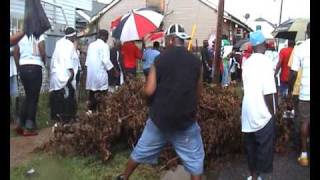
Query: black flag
[35, 19]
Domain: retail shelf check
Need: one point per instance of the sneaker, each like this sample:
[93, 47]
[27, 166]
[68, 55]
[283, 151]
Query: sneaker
[284, 115]
[303, 161]
[89, 112]
[27, 132]
[250, 178]
[19, 130]
[120, 177]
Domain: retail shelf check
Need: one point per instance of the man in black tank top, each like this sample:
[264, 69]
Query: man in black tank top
[174, 82]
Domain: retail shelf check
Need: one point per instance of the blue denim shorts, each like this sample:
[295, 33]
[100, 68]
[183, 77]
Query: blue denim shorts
[187, 144]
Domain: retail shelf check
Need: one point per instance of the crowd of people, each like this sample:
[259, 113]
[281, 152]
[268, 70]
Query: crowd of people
[174, 79]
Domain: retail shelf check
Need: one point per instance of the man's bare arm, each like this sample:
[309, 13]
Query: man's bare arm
[151, 84]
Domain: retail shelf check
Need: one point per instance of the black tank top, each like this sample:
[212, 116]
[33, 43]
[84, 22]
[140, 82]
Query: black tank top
[174, 103]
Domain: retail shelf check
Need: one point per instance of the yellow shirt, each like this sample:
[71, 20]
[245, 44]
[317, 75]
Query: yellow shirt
[296, 87]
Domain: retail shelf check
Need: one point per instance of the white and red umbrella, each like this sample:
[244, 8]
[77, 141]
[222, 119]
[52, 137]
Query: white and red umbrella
[115, 23]
[136, 24]
[155, 36]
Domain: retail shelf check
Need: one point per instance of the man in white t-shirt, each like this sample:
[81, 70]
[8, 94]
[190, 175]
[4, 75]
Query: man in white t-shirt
[301, 59]
[258, 108]
[63, 68]
[98, 63]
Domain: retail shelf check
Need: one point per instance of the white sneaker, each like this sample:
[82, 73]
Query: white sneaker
[89, 112]
[285, 114]
[250, 178]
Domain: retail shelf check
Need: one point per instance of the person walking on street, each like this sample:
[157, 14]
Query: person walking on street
[258, 108]
[173, 108]
[225, 72]
[63, 71]
[301, 59]
[294, 100]
[131, 54]
[31, 55]
[282, 65]
[98, 63]
[206, 62]
[233, 66]
[149, 56]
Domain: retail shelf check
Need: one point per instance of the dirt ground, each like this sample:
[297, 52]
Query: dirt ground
[21, 147]
[285, 165]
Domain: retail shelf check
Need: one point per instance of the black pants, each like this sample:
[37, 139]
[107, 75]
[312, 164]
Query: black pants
[94, 99]
[63, 108]
[296, 124]
[130, 72]
[233, 76]
[31, 78]
[259, 148]
[206, 75]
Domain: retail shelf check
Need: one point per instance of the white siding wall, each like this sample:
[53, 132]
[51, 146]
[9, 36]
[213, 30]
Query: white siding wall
[53, 13]
[189, 12]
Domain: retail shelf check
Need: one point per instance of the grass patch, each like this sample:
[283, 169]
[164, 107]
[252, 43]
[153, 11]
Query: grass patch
[43, 111]
[49, 167]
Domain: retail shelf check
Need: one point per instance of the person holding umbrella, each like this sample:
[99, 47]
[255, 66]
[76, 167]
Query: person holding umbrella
[134, 26]
[173, 108]
[131, 54]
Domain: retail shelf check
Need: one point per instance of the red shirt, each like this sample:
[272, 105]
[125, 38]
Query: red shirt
[284, 56]
[131, 53]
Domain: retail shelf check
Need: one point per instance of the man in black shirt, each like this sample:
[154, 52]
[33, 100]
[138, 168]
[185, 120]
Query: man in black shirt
[174, 82]
[206, 62]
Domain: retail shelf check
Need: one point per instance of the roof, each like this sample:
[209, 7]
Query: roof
[209, 3]
[85, 16]
[226, 14]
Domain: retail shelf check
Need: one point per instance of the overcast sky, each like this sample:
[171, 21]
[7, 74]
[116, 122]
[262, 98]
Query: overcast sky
[267, 9]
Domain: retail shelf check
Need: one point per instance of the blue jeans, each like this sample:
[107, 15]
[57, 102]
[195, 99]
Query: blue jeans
[225, 77]
[284, 89]
[187, 144]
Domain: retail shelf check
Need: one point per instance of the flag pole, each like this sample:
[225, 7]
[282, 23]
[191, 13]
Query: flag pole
[192, 35]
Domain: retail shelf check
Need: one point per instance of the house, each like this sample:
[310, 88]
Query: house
[202, 13]
[61, 13]
[84, 16]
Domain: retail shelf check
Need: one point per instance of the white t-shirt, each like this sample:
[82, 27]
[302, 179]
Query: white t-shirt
[13, 67]
[29, 51]
[63, 58]
[98, 63]
[258, 80]
[301, 58]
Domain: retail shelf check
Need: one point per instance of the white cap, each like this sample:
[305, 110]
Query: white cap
[177, 30]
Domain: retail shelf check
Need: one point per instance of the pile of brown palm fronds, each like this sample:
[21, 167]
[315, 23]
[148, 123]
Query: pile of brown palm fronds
[122, 116]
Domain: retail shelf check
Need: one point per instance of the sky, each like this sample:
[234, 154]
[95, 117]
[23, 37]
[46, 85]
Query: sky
[267, 9]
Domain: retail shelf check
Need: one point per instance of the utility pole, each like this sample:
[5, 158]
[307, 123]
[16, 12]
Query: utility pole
[280, 12]
[217, 48]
